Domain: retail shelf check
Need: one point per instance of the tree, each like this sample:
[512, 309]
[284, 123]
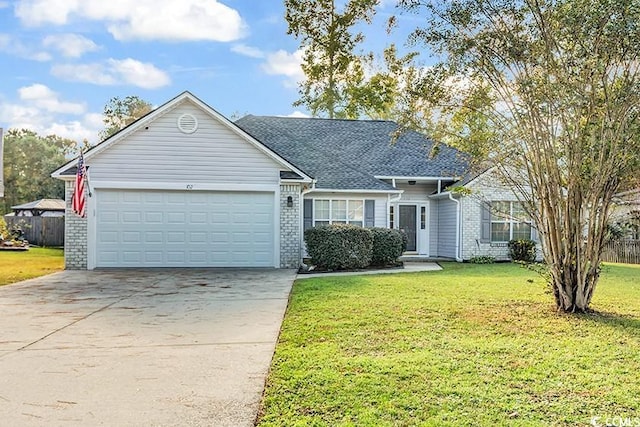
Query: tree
[548, 92]
[382, 96]
[29, 160]
[334, 73]
[119, 113]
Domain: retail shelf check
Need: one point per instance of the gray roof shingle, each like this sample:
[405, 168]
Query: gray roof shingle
[348, 154]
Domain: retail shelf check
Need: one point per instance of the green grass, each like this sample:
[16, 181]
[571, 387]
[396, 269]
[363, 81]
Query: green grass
[16, 266]
[470, 345]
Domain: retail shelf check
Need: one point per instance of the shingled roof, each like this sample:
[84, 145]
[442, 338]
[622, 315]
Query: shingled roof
[349, 154]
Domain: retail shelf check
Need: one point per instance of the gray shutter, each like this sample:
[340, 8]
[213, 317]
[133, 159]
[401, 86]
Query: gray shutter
[307, 214]
[485, 222]
[369, 213]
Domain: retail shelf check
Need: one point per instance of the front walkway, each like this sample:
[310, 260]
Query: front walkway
[409, 267]
[163, 347]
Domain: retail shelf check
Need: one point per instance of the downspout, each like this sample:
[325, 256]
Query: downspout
[458, 226]
[301, 210]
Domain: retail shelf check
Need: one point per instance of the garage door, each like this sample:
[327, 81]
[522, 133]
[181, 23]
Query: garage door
[184, 229]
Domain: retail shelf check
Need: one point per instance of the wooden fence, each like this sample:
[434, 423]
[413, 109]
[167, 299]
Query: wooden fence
[39, 230]
[626, 251]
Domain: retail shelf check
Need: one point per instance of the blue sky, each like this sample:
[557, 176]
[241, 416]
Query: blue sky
[62, 60]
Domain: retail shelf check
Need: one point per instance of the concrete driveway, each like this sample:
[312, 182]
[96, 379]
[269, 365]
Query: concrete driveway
[165, 347]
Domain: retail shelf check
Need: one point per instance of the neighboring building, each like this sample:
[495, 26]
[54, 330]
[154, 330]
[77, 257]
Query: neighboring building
[185, 187]
[627, 212]
[42, 207]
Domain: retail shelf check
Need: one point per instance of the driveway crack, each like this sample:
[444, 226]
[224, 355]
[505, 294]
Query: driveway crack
[84, 317]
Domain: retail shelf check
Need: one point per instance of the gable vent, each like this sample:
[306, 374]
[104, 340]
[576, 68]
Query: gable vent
[187, 123]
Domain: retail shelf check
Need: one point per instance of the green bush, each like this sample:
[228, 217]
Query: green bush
[482, 259]
[523, 250]
[339, 246]
[405, 240]
[388, 245]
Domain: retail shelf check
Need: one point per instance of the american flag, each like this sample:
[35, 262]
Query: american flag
[78, 201]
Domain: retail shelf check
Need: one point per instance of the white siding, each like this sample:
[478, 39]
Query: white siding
[418, 192]
[446, 228]
[433, 227]
[162, 153]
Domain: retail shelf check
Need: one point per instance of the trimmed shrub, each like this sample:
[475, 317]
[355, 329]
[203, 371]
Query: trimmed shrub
[523, 250]
[388, 245]
[405, 240]
[339, 246]
[482, 259]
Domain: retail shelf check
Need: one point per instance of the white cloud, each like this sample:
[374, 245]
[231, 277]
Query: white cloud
[44, 98]
[250, 51]
[41, 110]
[298, 114]
[285, 64]
[387, 3]
[70, 45]
[114, 72]
[145, 20]
[141, 74]
[13, 46]
[78, 130]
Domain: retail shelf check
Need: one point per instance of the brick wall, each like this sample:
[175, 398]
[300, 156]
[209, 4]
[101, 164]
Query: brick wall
[290, 227]
[484, 188]
[75, 235]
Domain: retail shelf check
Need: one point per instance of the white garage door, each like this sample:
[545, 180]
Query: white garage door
[147, 228]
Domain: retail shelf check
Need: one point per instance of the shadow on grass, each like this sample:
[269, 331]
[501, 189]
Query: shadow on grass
[626, 322]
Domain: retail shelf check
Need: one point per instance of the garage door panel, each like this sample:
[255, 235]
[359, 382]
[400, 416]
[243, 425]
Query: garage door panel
[152, 257]
[132, 197]
[153, 217]
[131, 237]
[163, 229]
[151, 237]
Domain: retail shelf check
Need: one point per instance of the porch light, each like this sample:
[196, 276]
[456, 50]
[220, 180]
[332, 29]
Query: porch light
[289, 201]
[412, 183]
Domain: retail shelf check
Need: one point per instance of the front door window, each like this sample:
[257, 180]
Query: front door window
[407, 223]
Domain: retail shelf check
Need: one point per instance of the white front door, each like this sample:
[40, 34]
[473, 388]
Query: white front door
[148, 228]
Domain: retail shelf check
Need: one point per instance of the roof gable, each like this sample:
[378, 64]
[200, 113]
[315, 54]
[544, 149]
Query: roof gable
[145, 122]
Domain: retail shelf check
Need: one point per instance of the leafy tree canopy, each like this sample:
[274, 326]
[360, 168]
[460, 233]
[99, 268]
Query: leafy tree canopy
[334, 72]
[548, 92]
[119, 113]
[29, 160]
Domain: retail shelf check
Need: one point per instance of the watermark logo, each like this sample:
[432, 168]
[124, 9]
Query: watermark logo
[617, 421]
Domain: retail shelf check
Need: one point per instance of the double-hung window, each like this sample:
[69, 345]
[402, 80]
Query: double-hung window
[328, 211]
[509, 221]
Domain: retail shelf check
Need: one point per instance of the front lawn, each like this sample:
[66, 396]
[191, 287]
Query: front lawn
[476, 345]
[21, 265]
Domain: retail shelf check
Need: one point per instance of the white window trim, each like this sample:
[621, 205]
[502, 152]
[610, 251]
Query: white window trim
[509, 219]
[331, 220]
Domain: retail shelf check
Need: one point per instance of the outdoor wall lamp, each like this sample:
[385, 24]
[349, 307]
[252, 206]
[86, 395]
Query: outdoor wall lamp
[412, 183]
[289, 201]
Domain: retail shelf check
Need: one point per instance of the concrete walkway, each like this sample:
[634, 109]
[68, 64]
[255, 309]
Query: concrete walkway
[174, 347]
[409, 267]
